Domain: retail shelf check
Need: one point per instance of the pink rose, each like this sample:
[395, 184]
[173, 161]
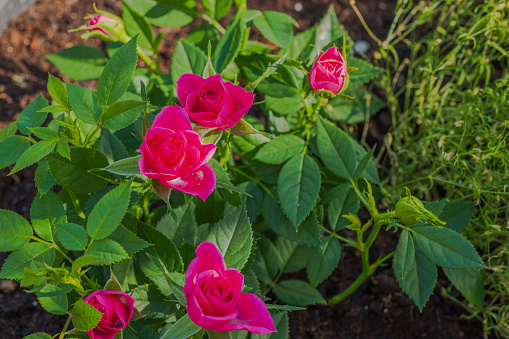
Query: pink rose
[214, 296]
[117, 308]
[172, 154]
[329, 71]
[97, 19]
[211, 102]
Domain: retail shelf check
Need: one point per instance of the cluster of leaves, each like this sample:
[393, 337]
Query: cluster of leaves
[278, 205]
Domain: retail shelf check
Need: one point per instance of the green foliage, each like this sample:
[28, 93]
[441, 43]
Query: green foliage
[276, 27]
[53, 299]
[187, 59]
[79, 62]
[323, 260]
[84, 103]
[298, 293]
[47, 211]
[73, 237]
[16, 262]
[84, 316]
[15, 231]
[31, 117]
[229, 45]
[183, 328]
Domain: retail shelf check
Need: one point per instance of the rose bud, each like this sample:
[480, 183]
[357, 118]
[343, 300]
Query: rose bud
[173, 155]
[329, 72]
[105, 26]
[212, 102]
[96, 19]
[214, 296]
[117, 308]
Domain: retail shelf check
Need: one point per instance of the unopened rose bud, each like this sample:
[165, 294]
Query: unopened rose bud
[105, 26]
[96, 19]
[409, 210]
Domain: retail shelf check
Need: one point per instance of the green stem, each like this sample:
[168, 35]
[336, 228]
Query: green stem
[218, 335]
[255, 180]
[89, 137]
[76, 204]
[62, 334]
[347, 241]
[153, 66]
[214, 23]
[346, 293]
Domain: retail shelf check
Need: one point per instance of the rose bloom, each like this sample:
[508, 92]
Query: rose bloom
[117, 308]
[97, 19]
[211, 102]
[329, 71]
[214, 296]
[172, 154]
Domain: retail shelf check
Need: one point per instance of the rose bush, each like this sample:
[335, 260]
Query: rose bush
[215, 300]
[212, 102]
[174, 155]
[329, 72]
[117, 308]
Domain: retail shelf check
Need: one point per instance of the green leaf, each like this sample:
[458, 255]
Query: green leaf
[15, 231]
[363, 163]
[128, 166]
[75, 174]
[86, 260]
[14, 265]
[365, 72]
[186, 229]
[446, 248]
[267, 262]
[63, 148]
[57, 91]
[84, 103]
[44, 133]
[286, 107]
[53, 299]
[370, 172]
[323, 260]
[11, 149]
[128, 240]
[85, 316]
[33, 154]
[307, 233]
[150, 302]
[165, 13]
[122, 113]
[363, 106]
[346, 203]
[298, 292]
[405, 254]
[281, 325]
[211, 210]
[456, 215]
[470, 283]
[30, 117]
[336, 150]
[137, 24]
[117, 74]
[79, 62]
[271, 68]
[298, 187]
[112, 147]
[183, 328]
[108, 250]
[187, 59]
[222, 177]
[39, 335]
[46, 211]
[8, 131]
[44, 181]
[229, 45]
[276, 27]
[217, 9]
[301, 45]
[330, 31]
[109, 212]
[72, 236]
[280, 150]
[164, 247]
[419, 280]
[174, 280]
[234, 238]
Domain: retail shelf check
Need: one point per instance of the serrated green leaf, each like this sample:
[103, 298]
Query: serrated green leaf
[298, 187]
[108, 250]
[183, 328]
[11, 149]
[75, 174]
[128, 240]
[229, 45]
[63, 148]
[84, 316]
[323, 260]
[86, 260]
[456, 215]
[211, 210]
[44, 181]
[84, 103]
[122, 113]
[72, 236]
[276, 27]
[233, 237]
[164, 247]
[298, 292]
[109, 212]
[137, 24]
[166, 13]
[57, 91]
[280, 150]
[8, 131]
[330, 31]
[365, 72]
[187, 59]
[15, 231]
[420, 278]
[16, 262]
[44, 133]
[33, 154]
[370, 172]
[446, 248]
[356, 110]
[405, 253]
[301, 46]
[79, 62]
[53, 299]
[46, 211]
[336, 150]
[30, 117]
[281, 325]
[149, 301]
[217, 9]
[128, 166]
[470, 283]
[117, 74]
[186, 229]
[39, 335]
[268, 261]
[174, 280]
[112, 147]
[346, 203]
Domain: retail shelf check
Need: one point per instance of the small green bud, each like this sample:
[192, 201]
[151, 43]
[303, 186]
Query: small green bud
[409, 210]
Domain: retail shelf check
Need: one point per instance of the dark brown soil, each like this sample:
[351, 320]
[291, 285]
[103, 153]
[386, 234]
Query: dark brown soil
[379, 309]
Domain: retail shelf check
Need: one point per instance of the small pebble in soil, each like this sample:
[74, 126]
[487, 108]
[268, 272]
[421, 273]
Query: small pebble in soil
[297, 7]
[8, 286]
[386, 310]
[35, 303]
[361, 47]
